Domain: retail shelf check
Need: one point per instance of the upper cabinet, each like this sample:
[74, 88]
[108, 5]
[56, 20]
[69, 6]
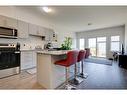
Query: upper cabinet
[36, 30]
[47, 34]
[41, 31]
[23, 29]
[2, 20]
[8, 22]
[33, 29]
[12, 23]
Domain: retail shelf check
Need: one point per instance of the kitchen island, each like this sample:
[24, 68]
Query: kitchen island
[49, 75]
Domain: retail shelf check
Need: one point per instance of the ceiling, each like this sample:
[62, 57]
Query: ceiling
[77, 18]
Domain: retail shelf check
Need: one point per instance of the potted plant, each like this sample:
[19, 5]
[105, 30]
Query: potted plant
[67, 44]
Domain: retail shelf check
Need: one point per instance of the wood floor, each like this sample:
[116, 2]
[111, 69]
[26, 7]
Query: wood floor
[20, 81]
[104, 77]
[100, 77]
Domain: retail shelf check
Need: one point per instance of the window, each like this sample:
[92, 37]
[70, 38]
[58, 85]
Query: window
[115, 43]
[81, 43]
[101, 46]
[92, 46]
[97, 46]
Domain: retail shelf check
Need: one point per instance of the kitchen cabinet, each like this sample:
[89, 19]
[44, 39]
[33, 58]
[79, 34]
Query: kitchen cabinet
[23, 29]
[41, 31]
[8, 22]
[33, 29]
[28, 59]
[36, 30]
[47, 33]
[12, 23]
[51, 34]
[2, 20]
[47, 36]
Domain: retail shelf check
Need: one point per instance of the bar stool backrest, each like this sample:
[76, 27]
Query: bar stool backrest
[87, 52]
[72, 57]
[81, 55]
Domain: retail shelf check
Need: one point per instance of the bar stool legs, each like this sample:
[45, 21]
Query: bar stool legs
[67, 85]
[82, 75]
[74, 81]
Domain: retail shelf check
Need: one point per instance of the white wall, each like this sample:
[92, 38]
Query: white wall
[106, 32]
[63, 32]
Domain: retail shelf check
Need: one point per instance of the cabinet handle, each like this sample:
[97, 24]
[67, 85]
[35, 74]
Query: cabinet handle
[17, 52]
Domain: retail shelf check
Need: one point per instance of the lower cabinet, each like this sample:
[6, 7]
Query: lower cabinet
[28, 59]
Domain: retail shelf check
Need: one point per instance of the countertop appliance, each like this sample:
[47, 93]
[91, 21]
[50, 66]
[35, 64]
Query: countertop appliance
[48, 46]
[51, 47]
[9, 59]
[8, 32]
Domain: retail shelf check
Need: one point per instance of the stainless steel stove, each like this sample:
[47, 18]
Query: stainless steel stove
[9, 59]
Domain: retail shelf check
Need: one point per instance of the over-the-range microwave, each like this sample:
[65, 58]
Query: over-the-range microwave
[8, 32]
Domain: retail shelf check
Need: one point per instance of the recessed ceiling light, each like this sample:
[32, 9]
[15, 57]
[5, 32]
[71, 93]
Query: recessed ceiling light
[47, 9]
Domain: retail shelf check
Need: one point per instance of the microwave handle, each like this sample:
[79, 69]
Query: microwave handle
[13, 32]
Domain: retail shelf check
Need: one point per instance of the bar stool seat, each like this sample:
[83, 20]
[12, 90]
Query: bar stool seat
[62, 63]
[70, 60]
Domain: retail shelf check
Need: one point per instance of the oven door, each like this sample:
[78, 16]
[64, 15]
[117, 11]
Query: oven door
[9, 59]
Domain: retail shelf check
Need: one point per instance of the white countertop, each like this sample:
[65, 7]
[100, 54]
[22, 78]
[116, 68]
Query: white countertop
[59, 52]
[25, 50]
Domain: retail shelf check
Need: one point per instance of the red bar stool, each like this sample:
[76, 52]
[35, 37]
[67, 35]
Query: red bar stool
[76, 80]
[81, 57]
[87, 52]
[70, 60]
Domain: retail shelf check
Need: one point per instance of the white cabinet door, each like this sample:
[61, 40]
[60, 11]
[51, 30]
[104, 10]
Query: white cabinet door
[36, 30]
[51, 35]
[12, 23]
[8, 22]
[2, 21]
[22, 29]
[33, 29]
[47, 36]
[28, 59]
[41, 31]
